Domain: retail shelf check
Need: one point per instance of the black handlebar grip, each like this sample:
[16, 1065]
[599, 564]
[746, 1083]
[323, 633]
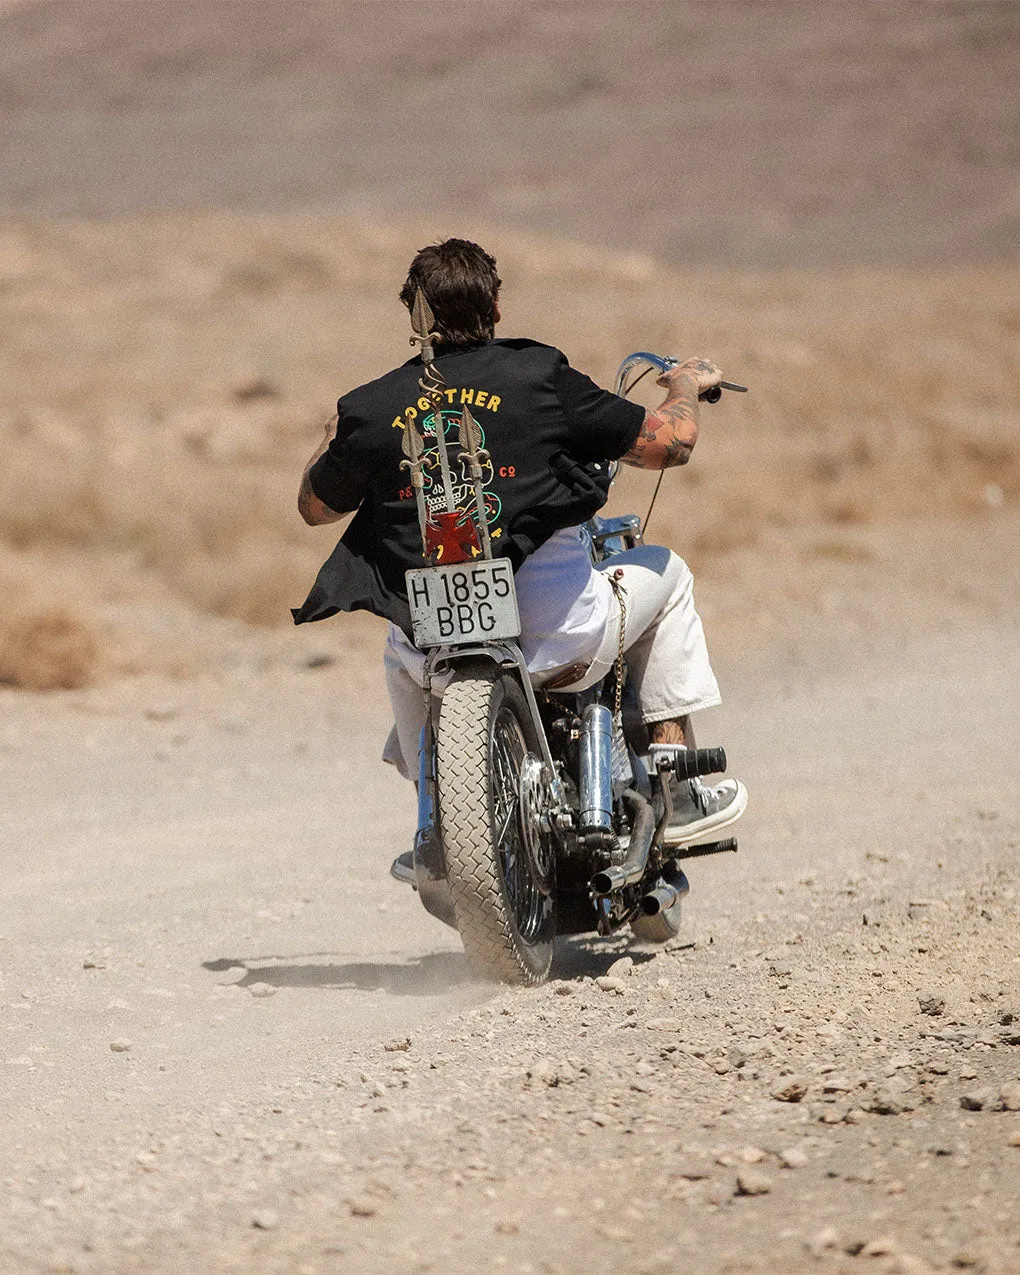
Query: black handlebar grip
[699, 761]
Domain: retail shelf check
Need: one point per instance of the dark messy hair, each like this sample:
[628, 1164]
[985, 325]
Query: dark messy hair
[461, 285]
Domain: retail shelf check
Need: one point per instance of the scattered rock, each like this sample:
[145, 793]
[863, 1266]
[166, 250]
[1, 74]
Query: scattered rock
[907, 1264]
[120, 1045]
[824, 1241]
[550, 1073]
[1014, 1139]
[793, 1158]
[881, 1246]
[664, 1025]
[752, 1182]
[265, 1219]
[261, 990]
[610, 984]
[618, 1233]
[563, 989]
[931, 1002]
[398, 1046]
[752, 1155]
[790, 1089]
[362, 1206]
[976, 1099]
[1009, 1097]
[621, 968]
[891, 1099]
[508, 1228]
[964, 1259]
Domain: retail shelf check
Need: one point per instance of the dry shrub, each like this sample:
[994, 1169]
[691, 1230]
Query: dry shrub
[48, 647]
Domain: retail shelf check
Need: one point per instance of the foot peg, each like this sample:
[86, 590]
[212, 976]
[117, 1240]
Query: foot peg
[687, 763]
[728, 846]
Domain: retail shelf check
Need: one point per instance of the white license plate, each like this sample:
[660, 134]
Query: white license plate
[457, 604]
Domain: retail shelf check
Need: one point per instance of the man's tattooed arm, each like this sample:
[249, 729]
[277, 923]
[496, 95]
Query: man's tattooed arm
[668, 434]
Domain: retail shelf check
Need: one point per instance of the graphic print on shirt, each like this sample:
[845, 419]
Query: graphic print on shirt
[463, 487]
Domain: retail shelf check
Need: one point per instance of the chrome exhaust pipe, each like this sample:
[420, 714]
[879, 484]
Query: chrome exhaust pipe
[633, 867]
[665, 895]
[596, 769]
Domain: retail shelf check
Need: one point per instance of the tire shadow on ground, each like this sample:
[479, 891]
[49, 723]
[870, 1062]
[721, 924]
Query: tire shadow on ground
[423, 976]
[585, 955]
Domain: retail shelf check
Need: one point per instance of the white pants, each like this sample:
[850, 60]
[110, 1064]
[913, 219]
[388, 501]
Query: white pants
[665, 643]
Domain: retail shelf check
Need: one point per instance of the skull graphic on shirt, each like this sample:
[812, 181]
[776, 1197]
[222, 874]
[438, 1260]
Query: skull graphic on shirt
[463, 486]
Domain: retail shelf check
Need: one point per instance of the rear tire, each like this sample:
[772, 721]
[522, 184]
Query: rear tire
[504, 918]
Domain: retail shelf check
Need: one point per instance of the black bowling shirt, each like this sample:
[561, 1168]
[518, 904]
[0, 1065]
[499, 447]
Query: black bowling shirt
[549, 430]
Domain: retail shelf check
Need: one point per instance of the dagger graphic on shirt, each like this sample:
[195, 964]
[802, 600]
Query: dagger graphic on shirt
[411, 446]
[474, 453]
[422, 320]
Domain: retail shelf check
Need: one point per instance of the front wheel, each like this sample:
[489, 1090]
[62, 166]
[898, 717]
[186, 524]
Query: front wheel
[486, 749]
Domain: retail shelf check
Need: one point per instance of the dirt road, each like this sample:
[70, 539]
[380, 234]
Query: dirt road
[209, 981]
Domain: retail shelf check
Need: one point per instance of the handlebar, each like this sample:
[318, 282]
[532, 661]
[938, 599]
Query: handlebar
[664, 363]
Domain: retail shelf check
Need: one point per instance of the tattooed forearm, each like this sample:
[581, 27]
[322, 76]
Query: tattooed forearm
[668, 434]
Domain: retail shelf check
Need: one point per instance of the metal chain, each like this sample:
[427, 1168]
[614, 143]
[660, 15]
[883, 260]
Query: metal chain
[616, 580]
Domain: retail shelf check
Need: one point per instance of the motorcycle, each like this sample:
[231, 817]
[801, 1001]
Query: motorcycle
[540, 813]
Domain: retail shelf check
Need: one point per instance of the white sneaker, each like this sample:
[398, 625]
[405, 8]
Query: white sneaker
[402, 868]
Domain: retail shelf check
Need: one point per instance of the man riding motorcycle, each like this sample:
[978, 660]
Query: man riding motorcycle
[550, 432]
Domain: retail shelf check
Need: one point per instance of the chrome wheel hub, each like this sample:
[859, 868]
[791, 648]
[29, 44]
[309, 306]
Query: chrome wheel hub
[532, 808]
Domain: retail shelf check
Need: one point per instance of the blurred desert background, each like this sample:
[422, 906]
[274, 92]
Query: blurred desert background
[206, 211]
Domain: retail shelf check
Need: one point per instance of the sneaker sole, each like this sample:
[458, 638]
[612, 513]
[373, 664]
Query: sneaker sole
[403, 874]
[684, 834]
